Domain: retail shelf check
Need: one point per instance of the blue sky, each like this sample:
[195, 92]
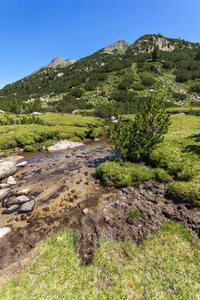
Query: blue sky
[33, 32]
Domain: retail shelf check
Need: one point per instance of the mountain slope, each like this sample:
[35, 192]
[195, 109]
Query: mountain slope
[118, 75]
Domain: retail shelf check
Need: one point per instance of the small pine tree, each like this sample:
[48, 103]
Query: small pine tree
[136, 139]
[156, 54]
[198, 55]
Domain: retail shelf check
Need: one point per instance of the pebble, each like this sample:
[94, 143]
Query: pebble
[19, 200]
[22, 164]
[4, 193]
[4, 185]
[11, 180]
[25, 191]
[23, 217]
[11, 209]
[85, 211]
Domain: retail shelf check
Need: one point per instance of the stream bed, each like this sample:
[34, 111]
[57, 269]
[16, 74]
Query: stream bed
[67, 195]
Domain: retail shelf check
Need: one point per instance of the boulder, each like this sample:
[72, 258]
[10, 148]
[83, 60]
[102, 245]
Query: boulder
[19, 200]
[4, 193]
[7, 168]
[28, 206]
[64, 145]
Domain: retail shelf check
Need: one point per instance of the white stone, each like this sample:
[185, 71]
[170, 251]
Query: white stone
[11, 180]
[4, 231]
[22, 164]
[85, 211]
[64, 145]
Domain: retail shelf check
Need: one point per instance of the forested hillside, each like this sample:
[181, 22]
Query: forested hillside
[112, 79]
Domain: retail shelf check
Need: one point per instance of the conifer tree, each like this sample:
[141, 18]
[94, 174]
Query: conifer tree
[136, 139]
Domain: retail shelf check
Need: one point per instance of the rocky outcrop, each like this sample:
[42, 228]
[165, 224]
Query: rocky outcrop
[148, 44]
[120, 46]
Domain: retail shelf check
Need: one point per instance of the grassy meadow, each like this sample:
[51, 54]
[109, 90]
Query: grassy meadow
[55, 126]
[176, 160]
[165, 266]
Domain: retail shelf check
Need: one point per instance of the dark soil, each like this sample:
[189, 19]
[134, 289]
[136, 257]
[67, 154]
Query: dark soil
[108, 216]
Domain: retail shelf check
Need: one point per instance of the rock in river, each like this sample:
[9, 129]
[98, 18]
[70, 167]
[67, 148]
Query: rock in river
[64, 145]
[11, 209]
[7, 168]
[11, 180]
[12, 158]
[4, 185]
[22, 164]
[4, 193]
[25, 191]
[28, 206]
[19, 200]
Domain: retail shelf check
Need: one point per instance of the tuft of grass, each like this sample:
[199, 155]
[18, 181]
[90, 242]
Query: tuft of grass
[165, 266]
[133, 214]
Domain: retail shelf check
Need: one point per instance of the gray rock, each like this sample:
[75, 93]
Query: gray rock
[7, 168]
[96, 139]
[28, 206]
[25, 191]
[64, 145]
[4, 185]
[112, 118]
[19, 200]
[2, 111]
[4, 193]
[11, 209]
[13, 159]
[22, 164]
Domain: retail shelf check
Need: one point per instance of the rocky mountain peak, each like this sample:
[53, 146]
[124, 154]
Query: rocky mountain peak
[119, 46]
[147, 43]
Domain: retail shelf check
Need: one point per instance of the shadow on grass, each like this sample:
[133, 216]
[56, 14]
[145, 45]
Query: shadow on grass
[193, 148]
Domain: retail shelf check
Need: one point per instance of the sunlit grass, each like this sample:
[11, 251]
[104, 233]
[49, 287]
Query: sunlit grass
[165, 266]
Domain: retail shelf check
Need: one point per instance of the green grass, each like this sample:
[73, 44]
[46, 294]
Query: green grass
[56, 127]
[136, 213]
[165, 266]
[177, 158]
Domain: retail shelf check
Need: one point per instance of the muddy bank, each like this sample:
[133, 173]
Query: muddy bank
[110, 215]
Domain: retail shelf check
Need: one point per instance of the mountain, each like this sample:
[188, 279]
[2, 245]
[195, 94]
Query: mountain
[119, 47]
[115, 77]
[57, 62]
